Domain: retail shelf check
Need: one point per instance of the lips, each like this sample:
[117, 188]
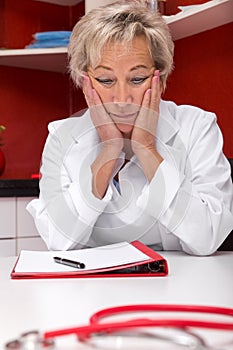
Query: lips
[121, 112]
[124, 116]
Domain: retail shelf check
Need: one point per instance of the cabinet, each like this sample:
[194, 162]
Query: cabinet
[31, 98]
[189, 22]
[7, 218]
[47, 59]
[7, 247]
[17, 228]
[61, 2]
[199, 18]
[7, 227]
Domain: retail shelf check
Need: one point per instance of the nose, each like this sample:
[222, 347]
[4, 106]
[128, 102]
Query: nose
[122, 94]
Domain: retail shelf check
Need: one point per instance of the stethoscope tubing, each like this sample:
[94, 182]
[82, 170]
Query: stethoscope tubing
[109, 312]
[85, 332]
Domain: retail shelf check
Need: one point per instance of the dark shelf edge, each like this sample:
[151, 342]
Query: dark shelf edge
[19, 188]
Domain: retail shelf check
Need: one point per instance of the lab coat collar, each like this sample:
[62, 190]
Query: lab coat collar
[166, 129]
[167, 125]
[84, 128]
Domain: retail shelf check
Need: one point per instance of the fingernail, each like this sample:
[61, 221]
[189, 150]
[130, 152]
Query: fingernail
[85, 76]
[155, 78]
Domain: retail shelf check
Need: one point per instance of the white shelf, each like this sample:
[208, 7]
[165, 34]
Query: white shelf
[200, 18]
[62, 2]
[54, 60]
[186, 23]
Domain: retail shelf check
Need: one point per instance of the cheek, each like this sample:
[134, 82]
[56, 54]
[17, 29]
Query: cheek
[104, 94]
[138, 95]
[140, 91]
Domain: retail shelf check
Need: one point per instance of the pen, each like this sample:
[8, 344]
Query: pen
[68, 262]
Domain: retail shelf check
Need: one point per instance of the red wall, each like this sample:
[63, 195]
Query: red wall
[203, 76]
[21, 19]
[30, 98]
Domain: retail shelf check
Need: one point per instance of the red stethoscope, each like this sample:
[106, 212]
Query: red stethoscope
[173, 330]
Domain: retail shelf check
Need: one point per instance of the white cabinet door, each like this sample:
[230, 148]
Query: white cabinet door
[7, 247]
[28, 237]
[25, 222]
[30, 243]
[7, 217]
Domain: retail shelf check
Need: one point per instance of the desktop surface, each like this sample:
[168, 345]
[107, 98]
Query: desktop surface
[48, 304]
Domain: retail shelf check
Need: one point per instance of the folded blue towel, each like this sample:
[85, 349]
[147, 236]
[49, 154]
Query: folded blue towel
[61, 34]
[48, 43]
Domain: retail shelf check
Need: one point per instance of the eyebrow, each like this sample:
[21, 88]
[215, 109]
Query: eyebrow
[139, 66]
[131, 70]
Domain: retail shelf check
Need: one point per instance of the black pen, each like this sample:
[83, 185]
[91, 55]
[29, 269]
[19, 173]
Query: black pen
[68, 262]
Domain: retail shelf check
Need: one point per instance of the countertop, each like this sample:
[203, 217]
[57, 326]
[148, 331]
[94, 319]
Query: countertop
[30, 187]
[19, 188]
[192, 280]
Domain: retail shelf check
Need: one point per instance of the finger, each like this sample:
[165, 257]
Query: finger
[98, 111]
[147, 99]
[100, 107]
[96, 98]
[155, 91]
[148, 115]
[87, 90]
[145, 116]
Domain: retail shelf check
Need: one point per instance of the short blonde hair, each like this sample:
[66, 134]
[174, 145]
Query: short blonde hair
[121, 22]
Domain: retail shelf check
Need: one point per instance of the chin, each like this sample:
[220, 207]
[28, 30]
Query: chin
[125, 128]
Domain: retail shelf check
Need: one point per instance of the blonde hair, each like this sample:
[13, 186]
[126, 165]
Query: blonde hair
[121, 22]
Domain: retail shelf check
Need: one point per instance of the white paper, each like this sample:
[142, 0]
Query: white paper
[93, 258]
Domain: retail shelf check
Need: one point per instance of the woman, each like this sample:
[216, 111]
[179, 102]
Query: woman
[132, 167]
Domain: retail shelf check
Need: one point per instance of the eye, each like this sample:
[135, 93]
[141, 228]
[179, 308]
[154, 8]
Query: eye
[105, 81]
[138, 80]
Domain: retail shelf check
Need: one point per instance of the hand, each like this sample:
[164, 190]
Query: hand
[109, 134]
[112, 141]
[143, 135]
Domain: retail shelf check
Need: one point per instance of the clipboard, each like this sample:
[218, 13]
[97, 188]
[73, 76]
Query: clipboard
[148, 264]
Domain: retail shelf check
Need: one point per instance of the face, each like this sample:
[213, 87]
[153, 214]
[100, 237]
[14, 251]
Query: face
[121, 79]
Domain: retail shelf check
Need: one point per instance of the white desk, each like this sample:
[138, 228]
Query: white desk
[60, 303]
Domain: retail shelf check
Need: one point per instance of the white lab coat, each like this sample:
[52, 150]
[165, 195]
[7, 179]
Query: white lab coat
[187, 206]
